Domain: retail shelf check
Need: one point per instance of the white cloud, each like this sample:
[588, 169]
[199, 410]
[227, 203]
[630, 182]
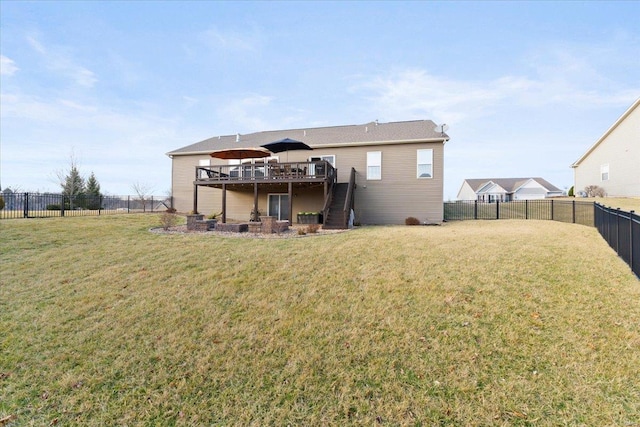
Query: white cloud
[57, 59]
[245, 114]
[414, 93]
[229, 40]
[7, 66]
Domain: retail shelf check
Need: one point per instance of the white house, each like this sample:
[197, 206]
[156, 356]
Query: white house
[507, 189]
[613, 161]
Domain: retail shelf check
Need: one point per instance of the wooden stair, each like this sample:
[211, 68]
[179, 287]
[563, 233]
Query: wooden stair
[335, 218]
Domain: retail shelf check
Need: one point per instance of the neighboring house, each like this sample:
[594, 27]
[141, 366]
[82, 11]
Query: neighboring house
[613, 162]
[384, 172]
[507, 189]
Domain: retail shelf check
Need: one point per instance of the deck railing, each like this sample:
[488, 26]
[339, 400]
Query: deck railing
[316, 170]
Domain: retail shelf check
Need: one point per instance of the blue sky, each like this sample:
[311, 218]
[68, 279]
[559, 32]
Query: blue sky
[525, 87]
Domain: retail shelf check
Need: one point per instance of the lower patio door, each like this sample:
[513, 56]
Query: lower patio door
[279, 206]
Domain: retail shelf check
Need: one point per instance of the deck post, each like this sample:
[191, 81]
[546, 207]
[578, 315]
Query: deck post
[290, 185]
[224, 203]
[195, 198]
[255, 200]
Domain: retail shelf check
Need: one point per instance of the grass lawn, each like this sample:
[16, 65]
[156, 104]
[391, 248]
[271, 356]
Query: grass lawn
[624, 203]
[470, 323]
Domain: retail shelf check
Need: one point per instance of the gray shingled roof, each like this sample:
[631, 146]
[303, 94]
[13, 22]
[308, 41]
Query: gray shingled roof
[416, 130]
[509, 184]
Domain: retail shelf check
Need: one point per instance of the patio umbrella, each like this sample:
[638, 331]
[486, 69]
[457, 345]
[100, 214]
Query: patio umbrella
[240, 153]
[286, 144]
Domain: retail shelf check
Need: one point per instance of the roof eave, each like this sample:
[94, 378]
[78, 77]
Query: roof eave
[442, 140]
[607, 133]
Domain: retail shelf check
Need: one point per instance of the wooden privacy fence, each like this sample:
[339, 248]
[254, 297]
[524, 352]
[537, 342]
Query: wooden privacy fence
[44, 205]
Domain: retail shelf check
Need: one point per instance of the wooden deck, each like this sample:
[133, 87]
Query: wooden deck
[256, 177]
[264, 173]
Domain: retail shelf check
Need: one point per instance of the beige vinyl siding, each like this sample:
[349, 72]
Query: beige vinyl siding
[620, 150]
[399, 194]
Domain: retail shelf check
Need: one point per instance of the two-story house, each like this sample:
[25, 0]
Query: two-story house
[613, 161]
[375, 173]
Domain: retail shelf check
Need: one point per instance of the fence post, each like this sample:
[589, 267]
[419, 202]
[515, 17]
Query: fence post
[497, 209]
[475, 209]
[62, 205]
[128, 207]
[152, 204]
[573, 204]
[631, 214]
[618, 231]
[25, 206]
[526, 208]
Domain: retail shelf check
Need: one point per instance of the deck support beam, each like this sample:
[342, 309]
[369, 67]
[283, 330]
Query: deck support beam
[224, 203]
[195, 198]
[290, 202]
[255, 200]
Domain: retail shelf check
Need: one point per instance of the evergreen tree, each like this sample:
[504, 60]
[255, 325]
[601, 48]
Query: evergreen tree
[93, 192]
[73, 186]
[93, 186]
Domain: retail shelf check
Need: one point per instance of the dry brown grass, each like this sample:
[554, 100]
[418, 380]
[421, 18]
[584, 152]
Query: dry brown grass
[470, 323]
[624, 203]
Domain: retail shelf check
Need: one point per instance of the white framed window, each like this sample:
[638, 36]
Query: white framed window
[604, 172]
[319, 169]
[425, 163]
[374, 165]
[331, 158]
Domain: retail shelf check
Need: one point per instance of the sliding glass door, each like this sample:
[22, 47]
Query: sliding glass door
[279, 206]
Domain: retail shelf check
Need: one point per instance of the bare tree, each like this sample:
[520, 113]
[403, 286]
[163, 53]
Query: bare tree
[595, 191]
[143, 191]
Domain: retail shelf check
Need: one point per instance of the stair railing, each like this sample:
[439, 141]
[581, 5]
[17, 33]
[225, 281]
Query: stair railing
[332, 175]
[349, 199]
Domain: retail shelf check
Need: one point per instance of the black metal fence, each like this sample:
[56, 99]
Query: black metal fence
[548, 209]
[44, 205]
[619, 228]
[622, 231]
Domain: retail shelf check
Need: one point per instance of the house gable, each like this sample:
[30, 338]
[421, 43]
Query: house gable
[514, 188]
[612, 161]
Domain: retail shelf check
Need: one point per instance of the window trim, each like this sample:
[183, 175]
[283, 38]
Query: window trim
[604, 170]
[418, 164]
[374, 162]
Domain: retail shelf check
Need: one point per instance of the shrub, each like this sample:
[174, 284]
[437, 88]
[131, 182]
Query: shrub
[313, 228]
[570, 193]
[171, 210]
[214, 215]
[412, 221]
[53, 207]
[168, 220]
[595, 191]
[1, 203]
[301, 232]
